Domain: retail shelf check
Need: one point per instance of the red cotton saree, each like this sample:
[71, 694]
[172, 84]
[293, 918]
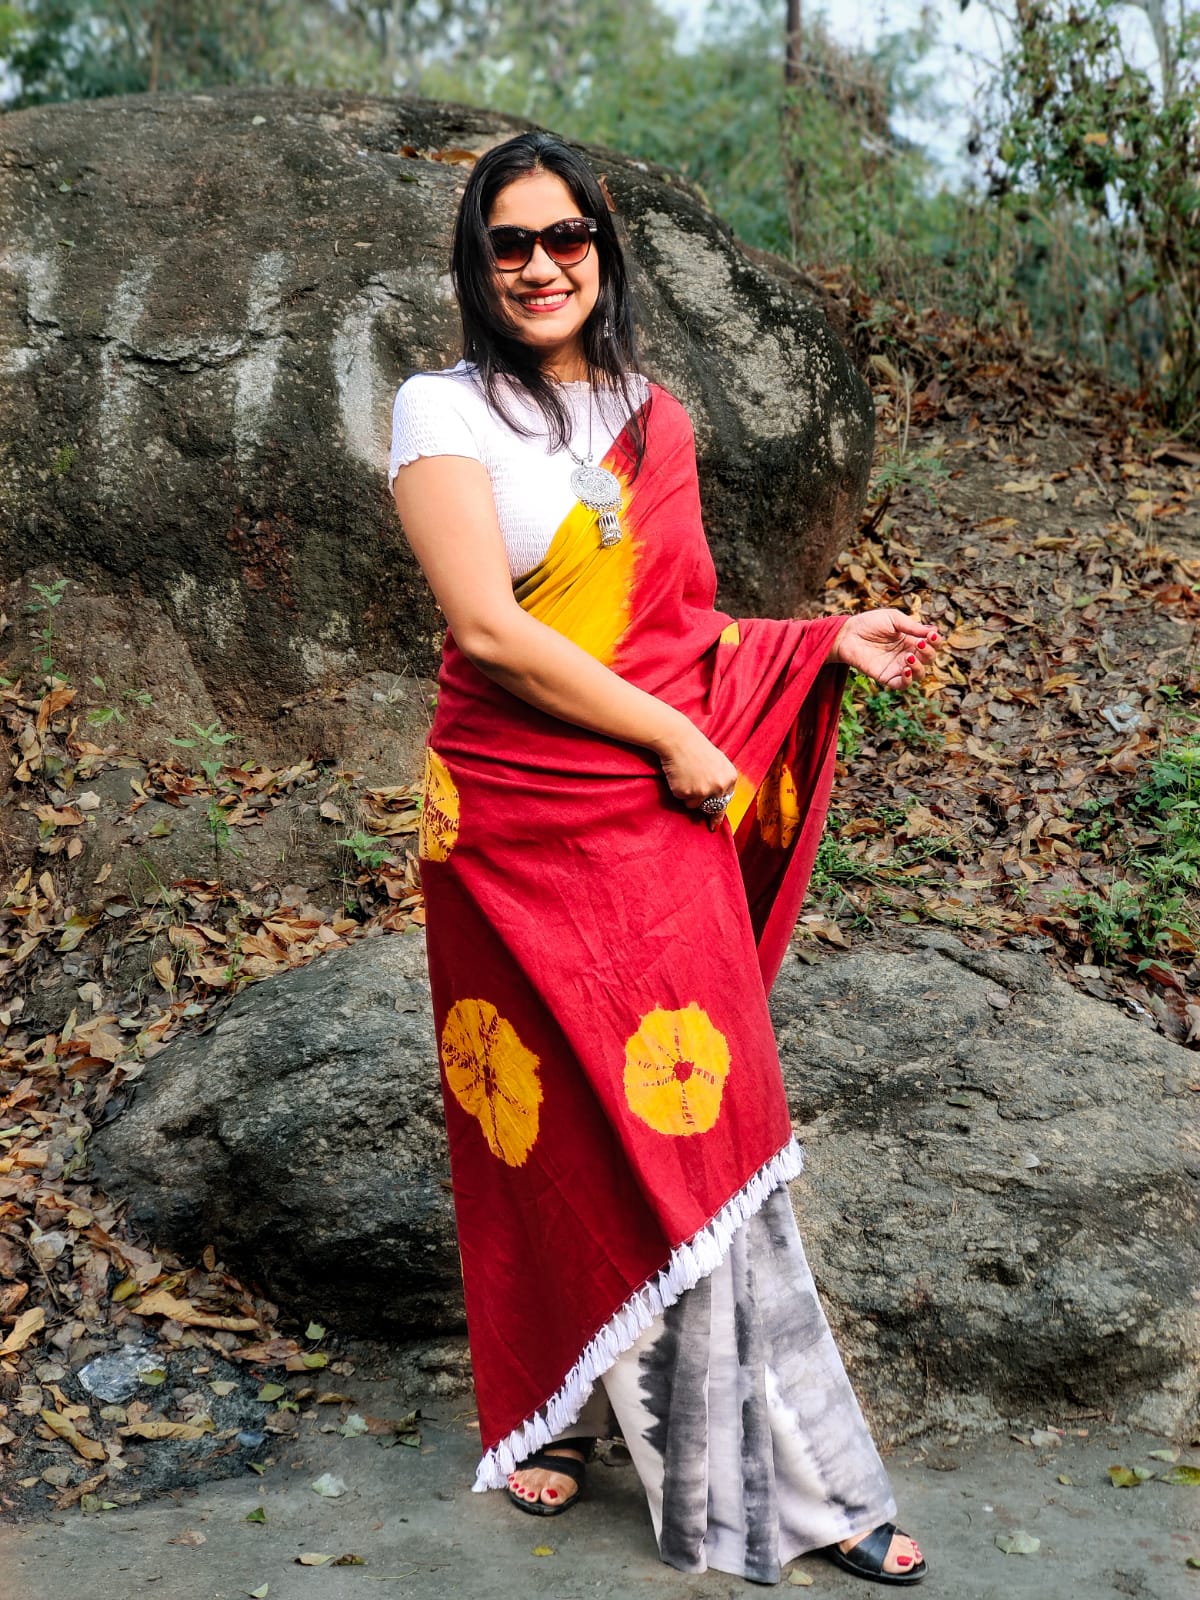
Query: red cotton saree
[600, 959]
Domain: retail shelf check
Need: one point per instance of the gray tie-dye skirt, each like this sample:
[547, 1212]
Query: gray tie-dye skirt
[740, 1418]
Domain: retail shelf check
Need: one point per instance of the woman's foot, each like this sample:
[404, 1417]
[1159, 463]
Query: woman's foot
[539, 1483]
[882, 1555]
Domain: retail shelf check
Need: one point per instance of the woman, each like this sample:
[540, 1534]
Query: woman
[599, 958]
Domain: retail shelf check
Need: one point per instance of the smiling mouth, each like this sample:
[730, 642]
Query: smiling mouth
[544, 302]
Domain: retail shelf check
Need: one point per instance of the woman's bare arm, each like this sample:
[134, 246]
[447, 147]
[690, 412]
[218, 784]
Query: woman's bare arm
[446, 506]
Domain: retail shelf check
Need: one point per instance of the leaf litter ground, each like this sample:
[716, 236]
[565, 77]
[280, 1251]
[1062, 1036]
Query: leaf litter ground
[1033, 515]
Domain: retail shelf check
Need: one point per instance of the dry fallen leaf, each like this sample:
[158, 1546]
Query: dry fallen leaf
[89, 1449]
[1018, 1543]
[161, 1304]
[166, 1430]
[27, 1324]
[1129, 1477]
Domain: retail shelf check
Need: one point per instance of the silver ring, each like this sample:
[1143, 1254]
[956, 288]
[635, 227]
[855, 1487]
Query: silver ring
[716, 803]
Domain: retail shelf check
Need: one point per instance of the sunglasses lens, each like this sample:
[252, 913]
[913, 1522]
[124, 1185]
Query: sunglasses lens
[567, 242]
[511, 247]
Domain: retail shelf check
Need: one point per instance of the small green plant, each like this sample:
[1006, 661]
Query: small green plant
[869, 712]
[49, 595]
[98, 716]
[62, 461]
[367, 850]
[905, 717]
[833, 866]
[233, 966]
[850, 728]
[215, 740]
[922, 470]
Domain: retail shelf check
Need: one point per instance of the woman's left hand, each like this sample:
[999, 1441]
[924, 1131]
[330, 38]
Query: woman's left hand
[887, 645]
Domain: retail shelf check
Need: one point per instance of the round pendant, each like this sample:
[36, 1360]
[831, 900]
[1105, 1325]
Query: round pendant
[597, 487]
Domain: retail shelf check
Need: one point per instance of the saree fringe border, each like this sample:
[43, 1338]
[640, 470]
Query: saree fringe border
[690, 1261]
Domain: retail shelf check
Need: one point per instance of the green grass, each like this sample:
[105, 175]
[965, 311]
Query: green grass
[1152, 838]
[835, 869]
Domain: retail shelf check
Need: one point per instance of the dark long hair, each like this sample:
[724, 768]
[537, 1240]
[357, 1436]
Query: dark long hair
[609, 337]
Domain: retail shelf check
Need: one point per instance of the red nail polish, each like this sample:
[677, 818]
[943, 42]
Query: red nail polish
[910, 659]
[904, 1561]
[921, 643]
[552, 1494]
[933, 635]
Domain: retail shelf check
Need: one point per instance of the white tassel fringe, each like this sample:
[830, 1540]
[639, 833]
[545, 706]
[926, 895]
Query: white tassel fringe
[690, 1261]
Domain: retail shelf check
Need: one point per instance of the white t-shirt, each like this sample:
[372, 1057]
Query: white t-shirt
[446, 414]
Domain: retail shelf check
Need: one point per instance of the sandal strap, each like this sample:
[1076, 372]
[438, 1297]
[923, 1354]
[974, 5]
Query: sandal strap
[567, 1465]
[875, 1547]
[585, 1445]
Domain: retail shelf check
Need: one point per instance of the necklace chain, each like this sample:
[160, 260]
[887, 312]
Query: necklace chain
[585, 461]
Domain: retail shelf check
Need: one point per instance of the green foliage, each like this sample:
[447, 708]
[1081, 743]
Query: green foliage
[1105, 161]
[836, 868]
[1153, 840]
[49, 595]
[810, 171]
[895, 715]
[850, 727]
[922, 470]
[212, 765]
[367, 850]
[99, 716]
[82, 49]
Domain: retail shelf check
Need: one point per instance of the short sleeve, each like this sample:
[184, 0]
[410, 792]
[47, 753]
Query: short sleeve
[432, 416]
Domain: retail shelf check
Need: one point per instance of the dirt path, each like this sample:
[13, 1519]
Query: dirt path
[422, 1535]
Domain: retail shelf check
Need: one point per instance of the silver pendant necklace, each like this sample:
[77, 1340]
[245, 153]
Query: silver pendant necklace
[597, 488]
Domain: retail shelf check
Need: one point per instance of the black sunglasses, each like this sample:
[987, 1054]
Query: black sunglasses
[566, 243]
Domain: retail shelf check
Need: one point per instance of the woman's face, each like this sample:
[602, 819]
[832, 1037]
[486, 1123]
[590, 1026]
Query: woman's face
[547, 304]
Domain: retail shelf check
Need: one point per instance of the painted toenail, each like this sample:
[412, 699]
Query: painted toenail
[904, 1561]
[551, 1494]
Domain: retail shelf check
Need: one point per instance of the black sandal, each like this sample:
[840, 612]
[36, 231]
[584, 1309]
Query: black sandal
[866, 1559]
[567, 1465]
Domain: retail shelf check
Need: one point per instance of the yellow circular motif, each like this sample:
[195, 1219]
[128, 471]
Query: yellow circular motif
[493, 1077]
[778, 805]
[439, 810]
[676, 1065]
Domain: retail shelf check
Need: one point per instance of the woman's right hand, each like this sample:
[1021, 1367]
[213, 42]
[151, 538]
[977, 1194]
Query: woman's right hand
[693, 766]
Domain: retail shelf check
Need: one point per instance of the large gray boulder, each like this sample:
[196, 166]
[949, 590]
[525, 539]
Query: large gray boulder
[303, 1137]
[207, 302]
[1001, 1199]
[1002, 1196]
